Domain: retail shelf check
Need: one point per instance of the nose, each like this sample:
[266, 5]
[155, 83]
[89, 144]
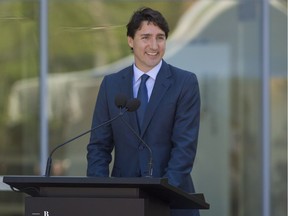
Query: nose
[154, 44]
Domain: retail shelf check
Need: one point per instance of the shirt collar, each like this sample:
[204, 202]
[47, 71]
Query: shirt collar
[152, 73]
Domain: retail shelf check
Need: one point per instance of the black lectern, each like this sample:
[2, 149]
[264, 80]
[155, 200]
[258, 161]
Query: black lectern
[89, 196]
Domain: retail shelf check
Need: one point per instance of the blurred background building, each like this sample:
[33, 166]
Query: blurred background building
[237, 48]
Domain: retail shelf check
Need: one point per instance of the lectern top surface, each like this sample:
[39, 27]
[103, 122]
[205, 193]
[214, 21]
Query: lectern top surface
[157, 187]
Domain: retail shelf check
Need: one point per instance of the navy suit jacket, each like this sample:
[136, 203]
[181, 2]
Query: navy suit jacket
[170, 128]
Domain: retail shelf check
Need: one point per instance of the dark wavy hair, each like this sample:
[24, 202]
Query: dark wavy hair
[146, 14]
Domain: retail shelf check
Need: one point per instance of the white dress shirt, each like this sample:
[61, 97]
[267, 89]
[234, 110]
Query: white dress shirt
[149, 83]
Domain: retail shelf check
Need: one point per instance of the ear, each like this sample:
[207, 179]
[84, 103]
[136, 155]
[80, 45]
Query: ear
[130, 41]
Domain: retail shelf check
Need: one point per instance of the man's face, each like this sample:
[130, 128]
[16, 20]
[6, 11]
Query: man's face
[148, 45]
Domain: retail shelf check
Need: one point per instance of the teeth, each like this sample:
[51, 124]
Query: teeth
[152, 53]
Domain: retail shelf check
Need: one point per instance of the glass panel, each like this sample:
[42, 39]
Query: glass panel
[18, 89]
[278, 103]
[87, 40]
[225, 54]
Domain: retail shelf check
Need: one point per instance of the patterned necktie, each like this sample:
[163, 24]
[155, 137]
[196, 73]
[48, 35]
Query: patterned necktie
[143, 97]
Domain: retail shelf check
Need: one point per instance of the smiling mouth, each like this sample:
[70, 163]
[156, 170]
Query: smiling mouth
[152, 53]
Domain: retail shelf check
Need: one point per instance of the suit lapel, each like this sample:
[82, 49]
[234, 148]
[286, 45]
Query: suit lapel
[127, 88]
[162, 84]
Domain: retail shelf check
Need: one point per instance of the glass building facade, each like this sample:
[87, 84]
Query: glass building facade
[54, 54]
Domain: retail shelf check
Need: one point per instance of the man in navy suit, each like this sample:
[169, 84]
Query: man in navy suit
[170, 122]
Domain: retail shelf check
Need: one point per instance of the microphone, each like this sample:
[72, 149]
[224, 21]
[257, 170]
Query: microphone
[121, 102]
[132, 105]
[150, 162]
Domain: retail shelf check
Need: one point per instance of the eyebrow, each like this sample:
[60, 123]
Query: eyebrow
[148, 34]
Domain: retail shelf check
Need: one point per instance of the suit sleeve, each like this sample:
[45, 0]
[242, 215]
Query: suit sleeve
[101, 140]
[185, 134]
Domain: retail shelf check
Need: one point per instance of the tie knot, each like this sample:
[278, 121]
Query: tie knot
[144, 78]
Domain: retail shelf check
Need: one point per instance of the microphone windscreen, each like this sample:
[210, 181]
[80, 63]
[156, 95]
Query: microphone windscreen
[120, 100]
[133, 104]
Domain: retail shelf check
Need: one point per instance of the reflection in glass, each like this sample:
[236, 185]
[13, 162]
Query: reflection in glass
[219, 41]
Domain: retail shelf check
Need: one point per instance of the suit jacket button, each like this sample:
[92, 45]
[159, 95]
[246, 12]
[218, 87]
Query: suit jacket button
[140, 147]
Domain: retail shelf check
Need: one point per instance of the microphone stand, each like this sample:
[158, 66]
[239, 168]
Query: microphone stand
[49, 160]
[150, 162]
